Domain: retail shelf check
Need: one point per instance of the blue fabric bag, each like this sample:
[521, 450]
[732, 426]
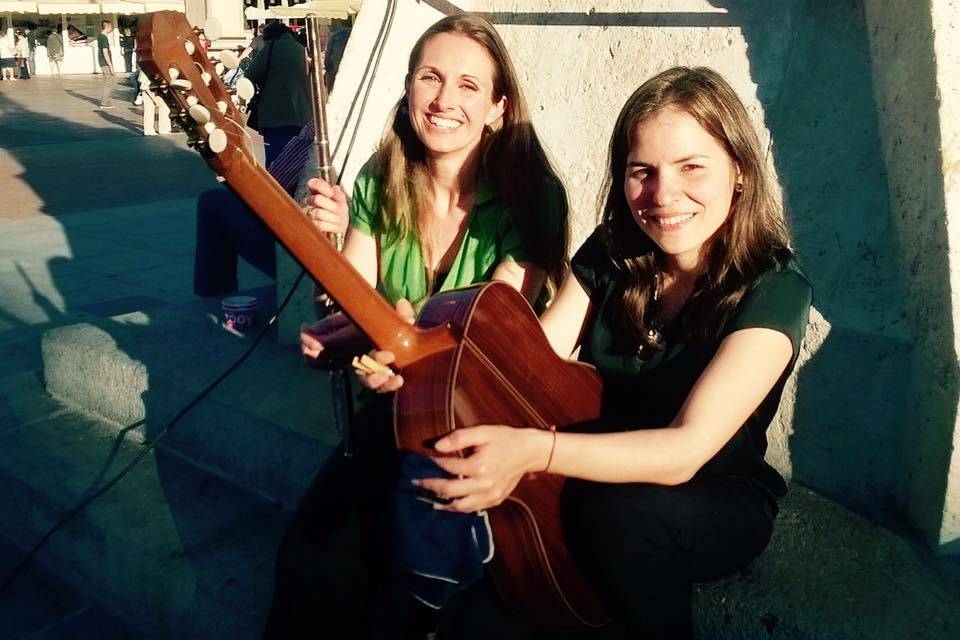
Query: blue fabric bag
[439, 553]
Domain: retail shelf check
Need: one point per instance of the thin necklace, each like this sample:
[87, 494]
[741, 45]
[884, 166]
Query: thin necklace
[655, 332]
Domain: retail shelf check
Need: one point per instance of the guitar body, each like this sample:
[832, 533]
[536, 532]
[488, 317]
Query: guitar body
[504, 371]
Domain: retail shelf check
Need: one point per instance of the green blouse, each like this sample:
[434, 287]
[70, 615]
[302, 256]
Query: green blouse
[490, 239]
[648, 391]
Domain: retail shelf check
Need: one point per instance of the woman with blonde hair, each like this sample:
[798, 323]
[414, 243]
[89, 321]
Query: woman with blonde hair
[458, 192]
[688, 301]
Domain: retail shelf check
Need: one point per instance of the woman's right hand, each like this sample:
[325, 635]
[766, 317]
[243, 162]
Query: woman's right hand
[330, 329]
[327, 207]
[387, 381]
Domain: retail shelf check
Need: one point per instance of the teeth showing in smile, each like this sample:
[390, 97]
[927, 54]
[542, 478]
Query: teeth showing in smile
[443, 123]
[672, 221]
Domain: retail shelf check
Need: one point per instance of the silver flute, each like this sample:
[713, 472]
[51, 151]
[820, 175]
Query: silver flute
[340, 392]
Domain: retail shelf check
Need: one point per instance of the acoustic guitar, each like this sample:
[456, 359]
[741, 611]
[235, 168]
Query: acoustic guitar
[477, 355]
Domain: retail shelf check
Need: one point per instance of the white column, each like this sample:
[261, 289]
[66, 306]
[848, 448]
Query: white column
[917, 92]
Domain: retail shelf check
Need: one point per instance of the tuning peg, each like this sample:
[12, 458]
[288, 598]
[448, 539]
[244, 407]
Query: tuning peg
[212, 28]
[188, 45]
[209, 127]
[206, 77]
[174, 73]
[229, 59]
[183, 83]
[217, 140]
[222, 106]
[192, 100]
[199, 113]
[245, 89]
[219, 68]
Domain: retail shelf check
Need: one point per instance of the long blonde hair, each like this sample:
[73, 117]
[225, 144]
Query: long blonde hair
[753, 238]
[513, 160]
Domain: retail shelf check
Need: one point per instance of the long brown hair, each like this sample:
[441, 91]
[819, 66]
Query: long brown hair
[753, 238]
[513, 160]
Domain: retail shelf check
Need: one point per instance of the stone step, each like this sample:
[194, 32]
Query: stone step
[175, 551]
[90, 622]
[182, 553]
[830, 574]
[42, 607]
[268, 427]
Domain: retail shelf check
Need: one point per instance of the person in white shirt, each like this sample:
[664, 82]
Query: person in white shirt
[154, 109]
[8, 63]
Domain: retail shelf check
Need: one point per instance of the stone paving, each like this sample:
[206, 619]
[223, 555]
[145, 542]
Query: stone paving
[91, 212]
[96, 220]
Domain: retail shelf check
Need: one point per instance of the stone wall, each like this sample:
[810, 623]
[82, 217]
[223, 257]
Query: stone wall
[869, 419]
[916, 87]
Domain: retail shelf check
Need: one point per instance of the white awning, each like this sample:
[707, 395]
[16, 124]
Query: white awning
[17, 7]
[75, 8]
[123, 8]
[166, 6]
[340, 9]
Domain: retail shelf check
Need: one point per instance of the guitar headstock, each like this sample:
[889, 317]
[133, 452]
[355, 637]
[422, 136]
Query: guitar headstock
[180, 72]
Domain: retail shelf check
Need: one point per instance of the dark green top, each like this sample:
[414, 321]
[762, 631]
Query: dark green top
[490, 239]
[648, 392]
[103, 49]
[279, 70]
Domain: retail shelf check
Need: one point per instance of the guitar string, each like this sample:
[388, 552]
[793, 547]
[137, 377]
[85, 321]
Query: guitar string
[149, 446]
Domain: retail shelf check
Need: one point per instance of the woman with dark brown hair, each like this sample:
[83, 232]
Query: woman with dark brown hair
[459, 191]
[688, 301]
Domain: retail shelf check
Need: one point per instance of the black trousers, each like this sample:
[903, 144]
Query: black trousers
[643, 546]
[344, 516]
[226, 230]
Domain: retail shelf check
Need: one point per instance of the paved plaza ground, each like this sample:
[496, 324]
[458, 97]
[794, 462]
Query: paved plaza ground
[96, 220]
[91, 212]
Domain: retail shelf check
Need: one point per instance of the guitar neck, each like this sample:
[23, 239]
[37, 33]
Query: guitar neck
[359, 301]
[170, 54]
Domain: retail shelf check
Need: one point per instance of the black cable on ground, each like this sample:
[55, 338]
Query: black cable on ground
[84, 502]
[375, 54]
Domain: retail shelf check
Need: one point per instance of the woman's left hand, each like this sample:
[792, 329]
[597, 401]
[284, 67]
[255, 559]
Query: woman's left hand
[495, 459]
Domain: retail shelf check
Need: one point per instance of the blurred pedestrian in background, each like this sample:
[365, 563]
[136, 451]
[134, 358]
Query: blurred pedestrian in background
[8, 55]
[21, 51]
[128, 42]
[106, 64]
[55, 51]
[283, 103]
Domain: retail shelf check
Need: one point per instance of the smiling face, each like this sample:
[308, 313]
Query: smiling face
[679, 184]
[450, 95]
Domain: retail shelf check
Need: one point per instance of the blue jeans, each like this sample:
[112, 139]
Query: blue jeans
[226, 230]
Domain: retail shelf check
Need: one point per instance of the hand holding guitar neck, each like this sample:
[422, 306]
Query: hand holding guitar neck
[171, 58]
